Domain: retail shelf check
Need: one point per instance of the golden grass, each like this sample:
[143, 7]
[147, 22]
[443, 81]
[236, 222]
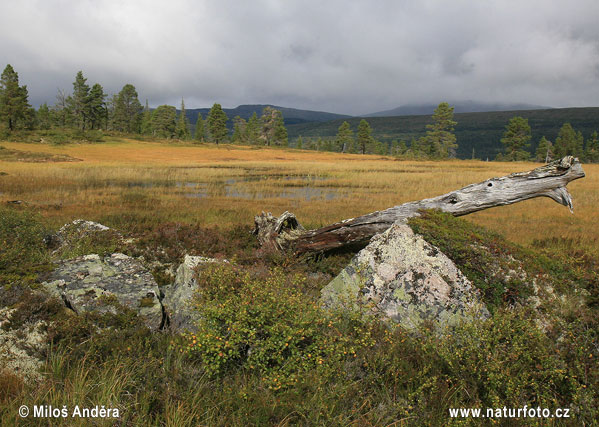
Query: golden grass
[229, 184]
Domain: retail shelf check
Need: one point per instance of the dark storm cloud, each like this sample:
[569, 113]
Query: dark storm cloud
[343, 56]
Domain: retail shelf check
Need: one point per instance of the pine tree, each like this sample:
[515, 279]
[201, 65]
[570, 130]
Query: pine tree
[381, 148]
[273, 127]
[164, 121]
[345, 137]
[568, 142]
[42, 116]
[403, 147]
[200, 130]
[182, 130]
[440, 139]
[300, 142]
[146, 120]
[15, 110]
[217, 123]
[239, 126]
[281, 137]
[127, 110]
[516, 139]
[364, 139]
[110, 112]
[252, 130]
[97, 106]
[543, 152]
[592, 148]
[79, 101]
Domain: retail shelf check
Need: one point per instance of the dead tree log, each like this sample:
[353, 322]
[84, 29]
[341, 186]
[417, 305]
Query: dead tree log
[286, 234]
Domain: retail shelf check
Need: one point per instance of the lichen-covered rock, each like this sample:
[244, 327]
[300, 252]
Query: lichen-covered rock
[73, 232]
[14, 346]
[92, 283]
[177, 297]
[408, 280]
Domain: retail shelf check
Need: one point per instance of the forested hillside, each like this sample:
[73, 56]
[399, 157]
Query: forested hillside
[479, 131]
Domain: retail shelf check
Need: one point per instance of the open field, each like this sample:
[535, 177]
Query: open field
[127, 183]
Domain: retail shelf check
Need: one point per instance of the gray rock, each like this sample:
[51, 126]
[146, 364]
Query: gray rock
[73, 232]
[90, 283]
[178, 296]
[406, 279]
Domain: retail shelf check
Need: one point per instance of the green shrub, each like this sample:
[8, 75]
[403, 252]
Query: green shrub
[266, 325]
[23, 253]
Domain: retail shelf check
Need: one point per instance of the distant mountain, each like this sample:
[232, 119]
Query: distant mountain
[459, 107]
[290, 115]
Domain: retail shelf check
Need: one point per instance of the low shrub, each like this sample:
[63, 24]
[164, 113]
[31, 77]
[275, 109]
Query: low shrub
[266, 325]
[23, 254]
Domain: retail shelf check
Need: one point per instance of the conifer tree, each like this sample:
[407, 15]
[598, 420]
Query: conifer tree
[543, 152]
[364, 139]
[200, 129]
[281, 137]
[183, 124]
[79, 101]
[217, 123]
[345, 137]
[440, 139]
[252, 130]
[568, 142]
[127, 110]
[273, 127]
[516, 139]
[97, 106]
[300, 143]
[15, 110]
[164, 121]
[146, 120]
[592, 148]
[43, 118]
[239, 126]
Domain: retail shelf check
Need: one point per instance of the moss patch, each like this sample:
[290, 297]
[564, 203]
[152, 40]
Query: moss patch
[504, 271]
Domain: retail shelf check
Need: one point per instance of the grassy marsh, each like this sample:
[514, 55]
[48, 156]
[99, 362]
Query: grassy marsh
[226, 185]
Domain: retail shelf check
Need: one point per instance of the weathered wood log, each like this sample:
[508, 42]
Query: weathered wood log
[286, 234]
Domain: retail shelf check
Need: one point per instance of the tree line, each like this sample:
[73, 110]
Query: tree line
[438, 143]
[517, 136]
[90, 108]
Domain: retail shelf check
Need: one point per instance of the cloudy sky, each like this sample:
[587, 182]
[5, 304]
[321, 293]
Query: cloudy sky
[346, 56]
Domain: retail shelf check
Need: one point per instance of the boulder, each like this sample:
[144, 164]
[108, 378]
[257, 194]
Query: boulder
[178, 296]
[406, 279]
[75, 231]
[92, 283]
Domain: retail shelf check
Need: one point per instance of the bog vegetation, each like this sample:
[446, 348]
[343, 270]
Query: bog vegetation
[171, 196]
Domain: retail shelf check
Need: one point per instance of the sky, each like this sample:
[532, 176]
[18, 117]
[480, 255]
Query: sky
[350, 56]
